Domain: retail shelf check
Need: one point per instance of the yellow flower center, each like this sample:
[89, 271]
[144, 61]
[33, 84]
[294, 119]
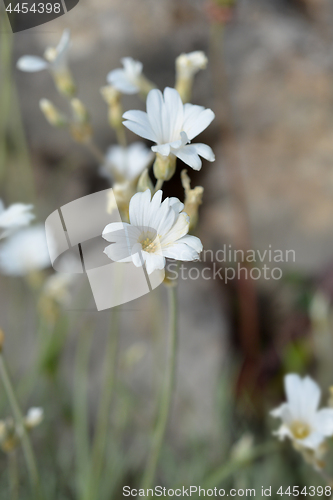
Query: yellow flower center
[300, 430]
[149, 245]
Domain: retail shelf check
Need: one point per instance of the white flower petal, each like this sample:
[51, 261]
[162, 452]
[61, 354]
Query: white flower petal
[177, 205]
[283, 412]
[189, 156]
[293, 388]
[118, 253]
[180, 251]
[312, 442]
[177, 231]
[324, 421]
[132, 67]
[119, 80]
[196, 119]
[112, 228]
[203, 150]
[126, 80]
[139, 206]
[126, 163]
[137, 121]
[154, 111]
[62, 49]
[172, 115]
[192, 241]
[16, 215]
[163, 149]
[34, 417]
[154, 262]
[24, 252]
[311, 395]
[31, 64]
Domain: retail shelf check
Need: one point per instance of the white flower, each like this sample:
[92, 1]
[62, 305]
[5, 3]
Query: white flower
[157, 230]
[24, 252]
[55, 58]
[126, 164]
[14, 217]
[56, 61]
[302, 422]
[128, 79]
[188, 65]
[172, 125]
[34, 417]
[57, 288]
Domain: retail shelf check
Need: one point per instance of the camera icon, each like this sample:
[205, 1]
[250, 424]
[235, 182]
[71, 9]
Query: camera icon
[74, 235]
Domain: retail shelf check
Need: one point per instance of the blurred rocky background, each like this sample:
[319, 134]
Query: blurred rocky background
[270, 82]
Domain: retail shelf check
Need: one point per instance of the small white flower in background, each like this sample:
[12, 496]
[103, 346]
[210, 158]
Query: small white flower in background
[187, 65]
[56, 61]
[34, 417]
[157, 230]
[172, 125]
[14, 217]
[302, 422]
[55, 58]
[126, 164]
[57, 288]
[127, 79]
[24, 252]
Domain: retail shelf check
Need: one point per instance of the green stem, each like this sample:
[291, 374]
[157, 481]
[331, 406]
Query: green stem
[5, 97]
[121, 136]
[13, 475]
[166, 397]
[226, 470]
[81, 425]
[25, 439]
[100, 439]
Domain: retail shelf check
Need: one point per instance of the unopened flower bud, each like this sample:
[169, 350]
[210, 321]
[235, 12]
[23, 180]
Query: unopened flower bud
[164, 167]
[53, 116]
[187, 65]
[81, 129]
[9, 438]
[113, 98]
[64, 83]
[193, 199]
[34, 417]
[241, 451]
[80, 112]
[144, 182]
[119, 198]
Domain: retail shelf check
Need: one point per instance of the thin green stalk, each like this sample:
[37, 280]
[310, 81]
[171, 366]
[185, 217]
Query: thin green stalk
[5, 96]
[226, 470]
[121, 136]
[166, 397]
[100, 438]
[81, 420]
[25, 439]
[13, 475]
